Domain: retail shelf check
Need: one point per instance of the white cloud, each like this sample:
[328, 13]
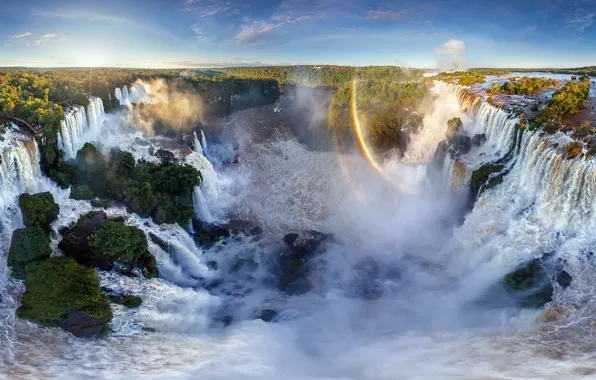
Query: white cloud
[50, 35]
[580, 21]
[26, 34]
[451, 55]
[255, 29]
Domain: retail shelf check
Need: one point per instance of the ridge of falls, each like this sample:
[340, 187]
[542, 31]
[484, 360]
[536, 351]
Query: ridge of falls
[77, 122]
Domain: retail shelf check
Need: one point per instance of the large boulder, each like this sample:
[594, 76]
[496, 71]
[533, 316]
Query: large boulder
[479, 139]
[294, 259]
[486, 177]
[27, 245]
[62, 293]
[39, 209]
[529, 284]
[454, 127]
[75, 241]
[96, 241]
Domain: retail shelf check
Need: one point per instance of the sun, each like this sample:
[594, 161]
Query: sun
[90, 60]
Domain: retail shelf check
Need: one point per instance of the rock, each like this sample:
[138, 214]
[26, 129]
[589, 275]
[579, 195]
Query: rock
[75, 241]
[148, 329]
[454, 127]
[267, 315]
[564, 279]
[131, 302]
[367, 284]
[256, 231]
[62, 293]
[487, 177]
[479, 139]
[27, 245]
[212, 265]
[530, 284]
[460, 144]
[157, 240]
[39, 209]
[100, 203]
[96, 241]
[293, 263]
[82, 325]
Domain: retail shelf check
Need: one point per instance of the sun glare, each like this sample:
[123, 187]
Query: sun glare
[90, 60]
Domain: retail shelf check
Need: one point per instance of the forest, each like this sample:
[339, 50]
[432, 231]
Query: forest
[325, 75]
[568, 100]
[464, 78]
[522, 86]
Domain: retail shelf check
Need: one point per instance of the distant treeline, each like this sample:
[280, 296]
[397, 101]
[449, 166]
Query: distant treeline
[522, 86]
[325, 76]
[586, 70]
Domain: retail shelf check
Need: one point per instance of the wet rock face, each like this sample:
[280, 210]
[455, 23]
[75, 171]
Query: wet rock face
[82, 325]
[530, 284]
[479, 139]
[293, 268]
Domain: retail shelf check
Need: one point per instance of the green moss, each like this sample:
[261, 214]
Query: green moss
[573, 149]
[57, 284]
[487, 177]
[27, 245]
[124, 245]
[81, 192]
[39, 209]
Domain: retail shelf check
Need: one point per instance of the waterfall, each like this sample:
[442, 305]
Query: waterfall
[118, 95]
[125, 93]
[76, 122]
[212, 196]
[71, 130]
[204, 143]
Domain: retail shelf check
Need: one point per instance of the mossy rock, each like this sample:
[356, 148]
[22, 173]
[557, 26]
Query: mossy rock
[81, 192]
[123, 245]
[27, 245]
[131, 302]
[62, 293]
[486, 177]
[100, 203]
[75, 241]
[530, 284]
[39, 209]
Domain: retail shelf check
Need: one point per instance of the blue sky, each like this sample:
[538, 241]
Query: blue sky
[210, 33]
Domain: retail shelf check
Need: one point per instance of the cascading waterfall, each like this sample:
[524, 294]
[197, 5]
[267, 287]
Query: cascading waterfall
[118, 95]
[212, 195]
[76, 122]
[204, 143]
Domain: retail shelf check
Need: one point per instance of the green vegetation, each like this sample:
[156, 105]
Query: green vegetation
[27, 245]
[487, 177]
[386, 112]
[161, 191]
[573, 149]
[95, 241]
[465, 78]
[568, 100]
[522, 86]
[121, 244]
[327, 76]
[39, 209]
[56, 286]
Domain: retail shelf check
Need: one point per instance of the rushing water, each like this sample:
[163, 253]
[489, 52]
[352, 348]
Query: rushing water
[396, 295]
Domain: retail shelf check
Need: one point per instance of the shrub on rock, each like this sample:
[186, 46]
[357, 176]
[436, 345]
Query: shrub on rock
[39, 209]
[61, 292]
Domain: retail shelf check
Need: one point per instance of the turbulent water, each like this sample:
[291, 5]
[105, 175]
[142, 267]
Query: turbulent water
[403, 293]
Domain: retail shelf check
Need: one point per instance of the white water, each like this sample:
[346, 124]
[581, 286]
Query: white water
[76, 123]
[425, 325]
